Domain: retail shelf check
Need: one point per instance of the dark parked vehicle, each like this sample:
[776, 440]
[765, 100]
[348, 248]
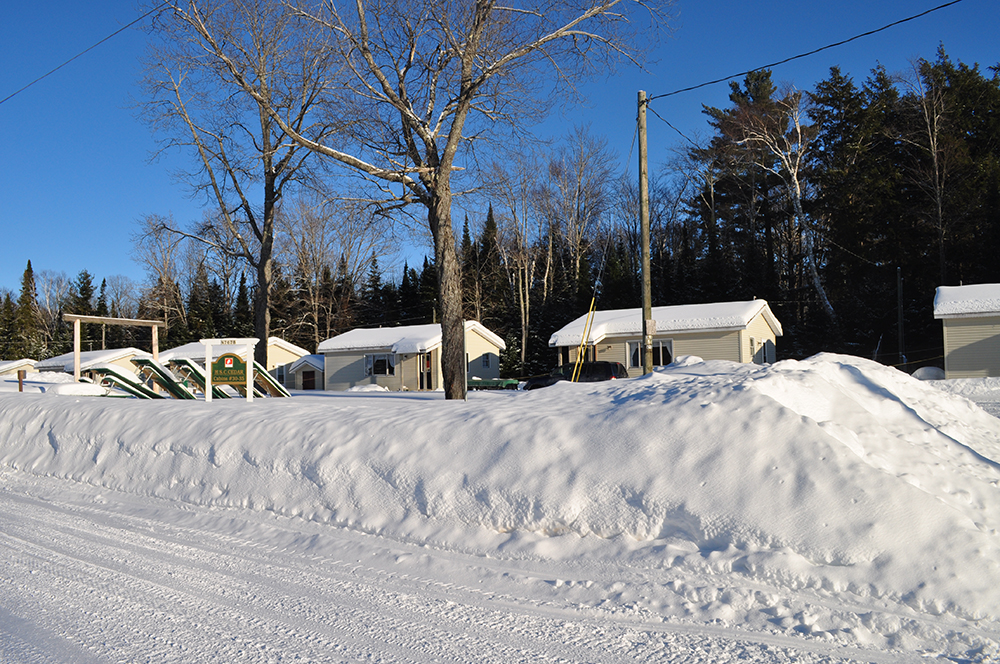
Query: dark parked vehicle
[590, 372]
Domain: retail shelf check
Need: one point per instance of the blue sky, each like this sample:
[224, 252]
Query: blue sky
[79, 174]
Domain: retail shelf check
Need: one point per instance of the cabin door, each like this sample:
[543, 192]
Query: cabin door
[425, 367]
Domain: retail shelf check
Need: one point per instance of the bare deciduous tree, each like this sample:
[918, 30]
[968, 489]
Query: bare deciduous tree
[936, 153]
[513, 184]
[246, 160]
[576, 193]
[429, 78]
[320, 242]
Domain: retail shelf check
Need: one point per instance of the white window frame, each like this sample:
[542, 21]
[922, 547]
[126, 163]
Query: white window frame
[486, 360]
[372, 360]
[634, 348]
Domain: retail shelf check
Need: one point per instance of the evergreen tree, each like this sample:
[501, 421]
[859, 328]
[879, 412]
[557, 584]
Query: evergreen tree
[242, 312]
[28, 326]
[409, 296]
[81, 302]
[493, 288]
[428, 289]
[345, 304]
[222, 317]
[8, 328]
[371, 298]
[199, 307]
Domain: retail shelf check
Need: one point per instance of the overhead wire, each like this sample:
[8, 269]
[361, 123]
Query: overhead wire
[806, 54]
[86, 50]
[781, 62]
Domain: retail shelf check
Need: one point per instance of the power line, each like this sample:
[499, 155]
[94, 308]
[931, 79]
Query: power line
[803, 55]
[86, 50]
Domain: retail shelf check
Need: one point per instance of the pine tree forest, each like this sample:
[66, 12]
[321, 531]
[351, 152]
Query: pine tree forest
[843, 206]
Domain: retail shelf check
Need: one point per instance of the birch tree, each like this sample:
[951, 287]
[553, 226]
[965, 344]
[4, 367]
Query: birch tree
[785, 137]
[513, 184]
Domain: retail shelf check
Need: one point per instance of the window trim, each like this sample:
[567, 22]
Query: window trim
[372, 360]
[634, 347]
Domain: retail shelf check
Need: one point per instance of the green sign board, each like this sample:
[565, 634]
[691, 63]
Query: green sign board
[229, 369]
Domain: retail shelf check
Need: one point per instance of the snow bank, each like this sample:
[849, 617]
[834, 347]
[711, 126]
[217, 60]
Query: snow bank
[833, 473]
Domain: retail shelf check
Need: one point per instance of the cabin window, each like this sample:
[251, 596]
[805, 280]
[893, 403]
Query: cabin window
[280, 374]
[381, 364]
[486, 360]
[662, 353]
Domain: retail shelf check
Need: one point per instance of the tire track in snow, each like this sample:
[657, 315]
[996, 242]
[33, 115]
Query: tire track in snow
[346, 607]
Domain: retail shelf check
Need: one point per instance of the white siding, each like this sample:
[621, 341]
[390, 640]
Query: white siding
[972, 347]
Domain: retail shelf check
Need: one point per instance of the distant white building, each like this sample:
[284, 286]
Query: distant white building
[13, 366]
[404, 358]
[120, 357]
[970, 317]
[737, 331]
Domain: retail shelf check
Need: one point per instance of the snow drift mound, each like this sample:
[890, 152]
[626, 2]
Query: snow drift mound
[833, 472]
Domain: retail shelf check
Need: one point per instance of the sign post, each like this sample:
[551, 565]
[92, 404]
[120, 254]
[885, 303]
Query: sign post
[229, 368]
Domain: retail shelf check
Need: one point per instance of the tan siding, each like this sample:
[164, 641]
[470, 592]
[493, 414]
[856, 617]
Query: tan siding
[709, 345]
[972, 347]
[345, 370]
[613, 352]
[475, 347]
[277, 357]
[706, 345]
[406, 372]
[764, 336]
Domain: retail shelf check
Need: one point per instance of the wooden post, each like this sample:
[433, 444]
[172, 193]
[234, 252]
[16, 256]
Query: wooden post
[76, 350]
[21, 373]
[208, 369]
[250, 370]
[647, 298]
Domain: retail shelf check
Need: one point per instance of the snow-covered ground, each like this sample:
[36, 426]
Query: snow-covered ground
[822, 510]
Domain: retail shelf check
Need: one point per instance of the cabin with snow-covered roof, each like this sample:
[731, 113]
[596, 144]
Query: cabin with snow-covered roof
[404, 358]
[970, 318]
[9, 367]
[736, 331]
[90, 359]
[305, 373]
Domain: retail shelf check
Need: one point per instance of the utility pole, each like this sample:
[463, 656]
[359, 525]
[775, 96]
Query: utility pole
[899, 315]
[648, 324]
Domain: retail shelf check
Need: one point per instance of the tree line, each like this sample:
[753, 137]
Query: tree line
[820, 201]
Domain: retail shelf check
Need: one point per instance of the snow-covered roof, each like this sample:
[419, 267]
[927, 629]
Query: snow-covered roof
[405, 339]
[972, 300]
[10, 366]
[312, 361]
[88, 359]
[679, 318]
[195, 350]
[278, 342]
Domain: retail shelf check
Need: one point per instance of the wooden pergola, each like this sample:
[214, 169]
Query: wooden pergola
[103, 320]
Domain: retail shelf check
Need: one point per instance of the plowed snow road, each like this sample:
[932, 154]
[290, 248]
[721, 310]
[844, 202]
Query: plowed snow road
[93, 576]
